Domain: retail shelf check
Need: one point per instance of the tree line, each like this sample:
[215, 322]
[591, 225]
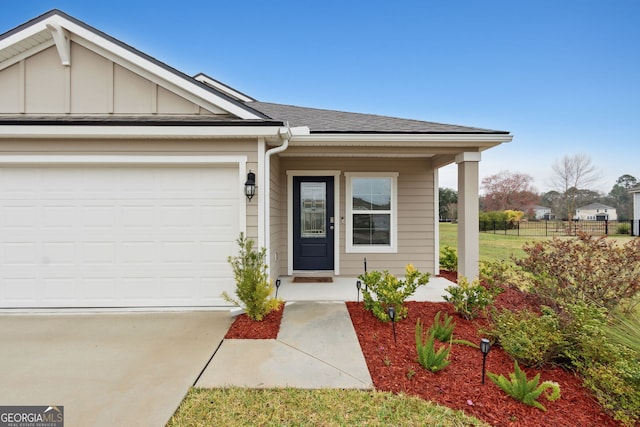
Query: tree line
[572, 179]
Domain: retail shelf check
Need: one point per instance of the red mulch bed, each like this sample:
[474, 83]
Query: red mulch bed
[245, 328]
[394, 367]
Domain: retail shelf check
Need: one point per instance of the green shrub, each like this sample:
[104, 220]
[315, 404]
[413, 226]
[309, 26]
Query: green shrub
[526, 391]
[428, 357]
[443, 329]
[594, 270]
[496, 220]
[623, 228]
[384, 290]
[469, 299]
[585, 338]
[449, 259]
[530, 339]
[616, 386]
[253, 287]
[502, 274]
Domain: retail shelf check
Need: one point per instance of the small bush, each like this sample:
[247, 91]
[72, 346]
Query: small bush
[530, 339]
[623, 228]
[496, 220]
[443, 329]
[585, 337]
[449, 259]
[500, 273]
[526, 391]
[587, 269]
[253, 287]
[513, 215]
[617, 388]
[383, 290]
[469, 299]
[428, 357]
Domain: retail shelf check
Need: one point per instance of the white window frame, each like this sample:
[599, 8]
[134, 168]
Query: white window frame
[393, 235]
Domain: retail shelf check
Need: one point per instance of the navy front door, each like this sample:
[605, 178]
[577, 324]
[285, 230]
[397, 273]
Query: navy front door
[313, 223]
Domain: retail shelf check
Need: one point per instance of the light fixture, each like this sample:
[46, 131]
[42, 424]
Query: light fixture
[358, 286]
[391, 311]
[277, 287]
[250, 185]
[485, 346]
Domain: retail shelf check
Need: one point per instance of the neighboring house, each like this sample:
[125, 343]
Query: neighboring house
[596, 212]
[635, 192]
[542, 212]
[123, 180]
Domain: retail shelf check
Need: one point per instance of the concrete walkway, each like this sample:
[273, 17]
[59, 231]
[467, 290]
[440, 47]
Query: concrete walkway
[316, 348]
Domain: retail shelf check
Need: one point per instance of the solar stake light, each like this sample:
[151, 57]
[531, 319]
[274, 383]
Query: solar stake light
[485, 346]
[277, 287]
[391, 311]
[358, 286]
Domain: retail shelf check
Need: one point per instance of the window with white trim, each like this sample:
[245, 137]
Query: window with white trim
[371, 212]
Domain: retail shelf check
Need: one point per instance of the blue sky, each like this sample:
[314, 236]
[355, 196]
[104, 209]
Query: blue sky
[562, 76]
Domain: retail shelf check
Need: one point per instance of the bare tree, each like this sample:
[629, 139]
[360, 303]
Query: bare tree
[571, 174]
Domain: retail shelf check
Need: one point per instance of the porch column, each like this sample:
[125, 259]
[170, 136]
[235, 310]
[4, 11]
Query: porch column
[468, 211]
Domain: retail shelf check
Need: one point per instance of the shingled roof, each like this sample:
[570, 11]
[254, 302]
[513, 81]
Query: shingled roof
[329, 121]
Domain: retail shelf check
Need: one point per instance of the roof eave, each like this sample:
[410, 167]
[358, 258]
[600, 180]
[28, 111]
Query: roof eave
[269, 131]
[484, 140]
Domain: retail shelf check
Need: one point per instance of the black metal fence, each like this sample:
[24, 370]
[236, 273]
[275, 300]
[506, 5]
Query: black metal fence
[560, 228]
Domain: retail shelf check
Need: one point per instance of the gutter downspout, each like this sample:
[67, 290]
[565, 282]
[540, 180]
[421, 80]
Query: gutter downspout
[285, 134]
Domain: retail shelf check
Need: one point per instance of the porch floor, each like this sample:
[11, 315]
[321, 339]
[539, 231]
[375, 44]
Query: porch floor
[343, 288]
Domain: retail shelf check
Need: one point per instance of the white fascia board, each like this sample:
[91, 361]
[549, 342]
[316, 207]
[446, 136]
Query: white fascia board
[108, 159]
[404, 140]
[136, 132]
[23, 35]
[223, 87]
[131, 57]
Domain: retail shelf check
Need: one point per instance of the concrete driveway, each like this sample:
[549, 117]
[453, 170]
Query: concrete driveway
[106, 369]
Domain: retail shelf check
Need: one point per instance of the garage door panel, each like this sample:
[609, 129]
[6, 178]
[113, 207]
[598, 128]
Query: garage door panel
[116, 236]
[17, 216]
[18, 254]
[55, 290]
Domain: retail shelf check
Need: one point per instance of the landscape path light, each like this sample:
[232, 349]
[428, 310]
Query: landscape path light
[391, 311]
[277, 287]
[358, 286]
[485, 346]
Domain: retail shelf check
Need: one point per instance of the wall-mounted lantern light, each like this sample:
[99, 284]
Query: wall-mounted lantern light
[250, 185]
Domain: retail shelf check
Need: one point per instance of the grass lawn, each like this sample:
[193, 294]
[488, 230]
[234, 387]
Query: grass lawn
[327, 407]
[498, 247]
[493, 247]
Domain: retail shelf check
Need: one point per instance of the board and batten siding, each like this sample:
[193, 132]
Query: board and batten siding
[93, 84]
[416, 238]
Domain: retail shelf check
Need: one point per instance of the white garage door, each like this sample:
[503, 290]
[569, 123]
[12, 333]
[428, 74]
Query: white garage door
[139, 236]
